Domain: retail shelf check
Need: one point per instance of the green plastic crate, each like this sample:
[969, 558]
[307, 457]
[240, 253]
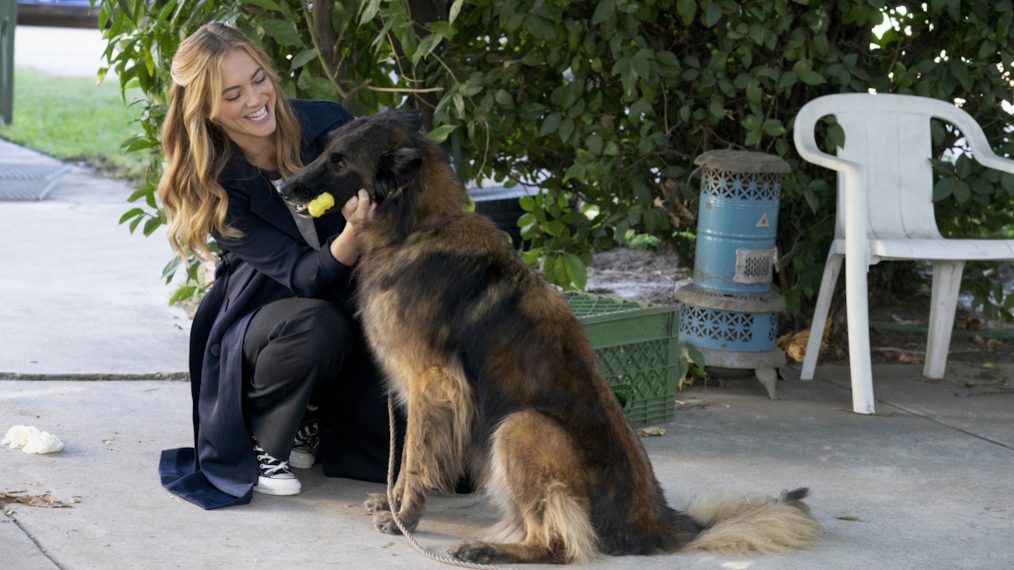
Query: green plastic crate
[637, 349]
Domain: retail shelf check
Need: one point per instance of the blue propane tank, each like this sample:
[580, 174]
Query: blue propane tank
[730, 313]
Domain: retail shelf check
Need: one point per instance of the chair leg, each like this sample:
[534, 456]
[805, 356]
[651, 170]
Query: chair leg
[832, 268]
[858, 315]
[944, 301]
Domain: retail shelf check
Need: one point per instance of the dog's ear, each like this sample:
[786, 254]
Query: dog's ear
[401, 161]
[412, 118]
[396, 169]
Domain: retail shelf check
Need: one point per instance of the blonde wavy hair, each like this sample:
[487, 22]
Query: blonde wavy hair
[196, 148]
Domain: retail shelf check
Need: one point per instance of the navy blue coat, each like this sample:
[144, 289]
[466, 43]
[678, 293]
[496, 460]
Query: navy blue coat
[271, 261]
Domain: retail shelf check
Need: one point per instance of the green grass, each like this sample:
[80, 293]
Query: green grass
[75, 119]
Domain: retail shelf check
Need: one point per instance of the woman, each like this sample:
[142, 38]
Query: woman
[274, 337]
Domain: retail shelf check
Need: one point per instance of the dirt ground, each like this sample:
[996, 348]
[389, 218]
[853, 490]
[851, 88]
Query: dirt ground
[637, 274]
[898, 334]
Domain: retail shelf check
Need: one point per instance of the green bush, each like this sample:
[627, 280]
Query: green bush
[604, 104]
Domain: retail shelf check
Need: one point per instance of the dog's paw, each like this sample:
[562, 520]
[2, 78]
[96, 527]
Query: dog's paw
[376, 502]
[383, 521]
[475, 552]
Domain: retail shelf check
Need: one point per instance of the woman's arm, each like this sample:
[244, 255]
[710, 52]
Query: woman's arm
[345, 247]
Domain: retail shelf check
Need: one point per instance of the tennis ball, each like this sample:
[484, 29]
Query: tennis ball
[320, 204]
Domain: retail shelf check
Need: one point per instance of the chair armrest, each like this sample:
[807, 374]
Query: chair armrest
[981, 151]
[804, 137]
[994, 161]
[984, 155]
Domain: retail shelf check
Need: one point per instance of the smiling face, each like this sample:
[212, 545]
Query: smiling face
[247, 104]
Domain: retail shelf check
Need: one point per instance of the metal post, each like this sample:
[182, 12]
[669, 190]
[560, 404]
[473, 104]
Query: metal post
[8, 22]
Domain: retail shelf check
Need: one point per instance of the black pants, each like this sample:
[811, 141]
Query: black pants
[298, 349]
[292, 347]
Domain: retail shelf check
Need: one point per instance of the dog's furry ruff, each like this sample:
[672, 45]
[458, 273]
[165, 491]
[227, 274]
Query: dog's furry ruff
[497, 377]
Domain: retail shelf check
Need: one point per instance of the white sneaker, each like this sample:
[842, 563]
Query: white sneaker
[275, 477]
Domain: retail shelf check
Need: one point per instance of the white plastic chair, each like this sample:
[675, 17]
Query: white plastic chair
[885, 211]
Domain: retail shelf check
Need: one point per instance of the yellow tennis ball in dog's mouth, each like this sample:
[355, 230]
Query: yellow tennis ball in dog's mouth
[320, 204]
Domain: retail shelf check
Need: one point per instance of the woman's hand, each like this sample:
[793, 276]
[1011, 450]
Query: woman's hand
[357, 210]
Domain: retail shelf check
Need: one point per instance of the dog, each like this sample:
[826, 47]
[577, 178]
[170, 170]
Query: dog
[498, 380]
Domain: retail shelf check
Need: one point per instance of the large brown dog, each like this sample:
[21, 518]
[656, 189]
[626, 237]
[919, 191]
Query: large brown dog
[497, 377]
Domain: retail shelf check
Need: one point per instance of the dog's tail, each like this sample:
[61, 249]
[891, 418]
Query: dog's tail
[738, 524]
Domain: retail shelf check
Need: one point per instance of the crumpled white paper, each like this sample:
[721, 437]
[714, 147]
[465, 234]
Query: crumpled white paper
[30, 440]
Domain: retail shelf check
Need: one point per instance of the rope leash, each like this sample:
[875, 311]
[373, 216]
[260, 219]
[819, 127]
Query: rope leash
[394, 515]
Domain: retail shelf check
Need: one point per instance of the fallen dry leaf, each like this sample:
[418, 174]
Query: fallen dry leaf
[691, 404]
[653, 430]
[970, 324]
[989, 365]
[847, 517]
[45, 500]
[794, 344]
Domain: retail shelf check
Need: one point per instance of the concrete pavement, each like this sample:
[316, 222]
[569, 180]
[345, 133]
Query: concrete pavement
[924, 484]
[79, 294]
